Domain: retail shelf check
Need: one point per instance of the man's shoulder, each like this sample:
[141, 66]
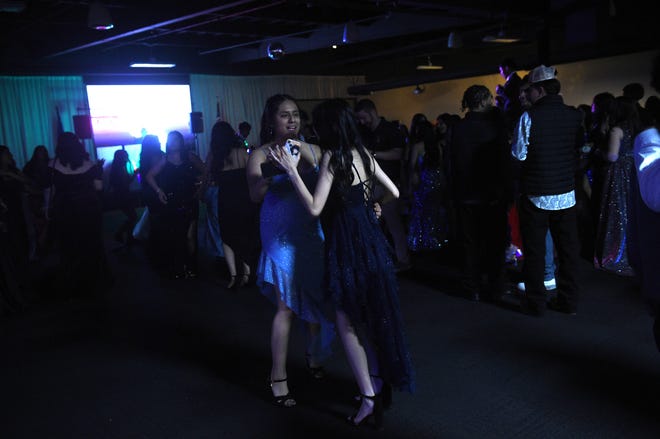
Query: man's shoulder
[387, 125]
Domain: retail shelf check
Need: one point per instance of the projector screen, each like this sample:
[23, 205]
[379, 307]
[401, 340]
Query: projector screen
[122, 115]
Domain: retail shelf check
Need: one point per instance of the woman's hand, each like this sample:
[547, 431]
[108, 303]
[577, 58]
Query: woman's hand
[377, 209]
[287, 156]
[162, 196]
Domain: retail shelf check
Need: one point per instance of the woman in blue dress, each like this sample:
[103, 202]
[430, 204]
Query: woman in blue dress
[290, 268]
[360, 278]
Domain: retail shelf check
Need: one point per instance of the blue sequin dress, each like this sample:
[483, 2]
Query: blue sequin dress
[292, 257]
[361, 281]
[612, 235]
[428, 223]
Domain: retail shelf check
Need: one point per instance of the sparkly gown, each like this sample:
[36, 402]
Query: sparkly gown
[612, 236]
[292, 257]
[428, 217]
[361, 281]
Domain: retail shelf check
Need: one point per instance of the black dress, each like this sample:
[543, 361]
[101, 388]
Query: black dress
[238, 215]
[361, 281]
[78, 225]
[170, 222]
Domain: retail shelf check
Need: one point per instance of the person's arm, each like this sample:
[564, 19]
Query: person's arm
[520, 140]
[257, 184]
[197, 163]
[614, 143]
[413, 175]
[647, 163]
[382, 178]
[151, 180]
[390, 154]
[97, 180]
[313, 203]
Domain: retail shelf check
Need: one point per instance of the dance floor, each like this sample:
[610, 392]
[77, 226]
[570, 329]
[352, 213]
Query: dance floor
[158, 358]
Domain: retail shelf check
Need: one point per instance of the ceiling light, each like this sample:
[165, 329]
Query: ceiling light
[501, 37]
[99, 17]
[152, 65]
[429, 65]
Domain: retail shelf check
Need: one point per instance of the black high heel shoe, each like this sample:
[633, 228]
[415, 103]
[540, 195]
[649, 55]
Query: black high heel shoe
[385, 392]
[232, 285]
[245, 280]
[286, 400]
[376, 413]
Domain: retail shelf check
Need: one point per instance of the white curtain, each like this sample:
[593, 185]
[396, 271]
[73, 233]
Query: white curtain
[28, 112]
[29, 104]
[242, 98]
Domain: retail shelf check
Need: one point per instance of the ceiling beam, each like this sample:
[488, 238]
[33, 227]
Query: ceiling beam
[150, 28]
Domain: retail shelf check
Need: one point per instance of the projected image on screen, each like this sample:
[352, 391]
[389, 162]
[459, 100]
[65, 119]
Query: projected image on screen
[124, 114]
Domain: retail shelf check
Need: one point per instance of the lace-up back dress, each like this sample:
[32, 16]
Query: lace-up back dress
[361, 281]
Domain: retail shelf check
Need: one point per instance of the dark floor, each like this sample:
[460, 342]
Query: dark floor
[158, 358]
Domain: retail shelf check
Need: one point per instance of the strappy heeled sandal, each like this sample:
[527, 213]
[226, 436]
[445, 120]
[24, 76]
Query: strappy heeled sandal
[385, 392]
[286, 401]
[232, 283]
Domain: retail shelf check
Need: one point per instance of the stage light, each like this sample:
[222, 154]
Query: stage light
[275, 51]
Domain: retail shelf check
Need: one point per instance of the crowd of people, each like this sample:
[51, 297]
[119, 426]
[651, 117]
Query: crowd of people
[323, 222]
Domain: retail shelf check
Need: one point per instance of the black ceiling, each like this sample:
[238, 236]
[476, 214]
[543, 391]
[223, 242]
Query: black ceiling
[386, 39]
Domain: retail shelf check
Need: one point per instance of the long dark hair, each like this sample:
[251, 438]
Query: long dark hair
[70, 150]
[273, 103]
[12, 164]
[223, 140]
[429, 136]
[118, 171]
[335, 124]
[150, 153]
[623, 112]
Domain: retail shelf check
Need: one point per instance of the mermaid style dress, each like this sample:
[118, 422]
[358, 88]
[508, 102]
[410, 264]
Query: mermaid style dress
[361, 281]
[292, 257]
[613, 234]
[428, 217]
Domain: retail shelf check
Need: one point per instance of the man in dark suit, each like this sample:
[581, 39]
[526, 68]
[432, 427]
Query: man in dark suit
[386, 142]
[481, 178]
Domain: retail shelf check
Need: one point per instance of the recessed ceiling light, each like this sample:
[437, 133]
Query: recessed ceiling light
[152, 65]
